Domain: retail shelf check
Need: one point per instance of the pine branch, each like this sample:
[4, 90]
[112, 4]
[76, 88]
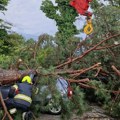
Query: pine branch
[105, 47]
[72, 72]
[116, 92]
[98, 71]
[69, 71]
[116, 70]
[86, 52]
[87, 69]
[78, 81]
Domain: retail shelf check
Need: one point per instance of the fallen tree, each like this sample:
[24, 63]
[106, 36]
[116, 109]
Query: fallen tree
[86, 52]
[11, 76]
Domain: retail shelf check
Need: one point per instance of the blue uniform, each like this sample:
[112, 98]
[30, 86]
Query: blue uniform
[22, 99]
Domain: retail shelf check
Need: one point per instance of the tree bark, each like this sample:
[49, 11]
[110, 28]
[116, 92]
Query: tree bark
[78, 81]
[116, 70]
[11, 76]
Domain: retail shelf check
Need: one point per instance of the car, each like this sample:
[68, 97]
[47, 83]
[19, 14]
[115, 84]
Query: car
[46, 100]
[53, 106]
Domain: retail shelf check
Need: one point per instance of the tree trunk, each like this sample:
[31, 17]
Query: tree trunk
[11, 76]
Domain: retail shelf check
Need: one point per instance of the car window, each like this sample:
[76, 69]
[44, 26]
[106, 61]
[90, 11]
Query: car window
[62, 85]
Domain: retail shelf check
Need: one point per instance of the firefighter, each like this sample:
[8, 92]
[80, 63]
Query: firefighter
[20, 94]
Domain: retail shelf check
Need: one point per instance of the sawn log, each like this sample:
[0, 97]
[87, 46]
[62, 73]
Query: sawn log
[11, 76]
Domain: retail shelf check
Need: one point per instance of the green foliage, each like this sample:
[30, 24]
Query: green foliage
[79, 101]
[48, 52]
[10, 48]
[64, 15]
[45, 56]
[3, 44]
[106, 23]
[76, 104]
[5, 61]
[101, 93]
[9, 43]
[3, 34]
[1, 114]
[66, 111]
[113, 107]
[3, 3]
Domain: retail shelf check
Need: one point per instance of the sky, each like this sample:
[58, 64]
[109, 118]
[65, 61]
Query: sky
[27, 18]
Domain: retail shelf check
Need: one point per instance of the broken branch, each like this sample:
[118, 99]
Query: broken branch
[96, 65]
[93, 87]
[5, 108]
[116, 70]
[78, 81]
[86, 52]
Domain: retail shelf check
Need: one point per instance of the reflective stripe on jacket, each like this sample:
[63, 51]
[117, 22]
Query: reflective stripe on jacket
[24, 95]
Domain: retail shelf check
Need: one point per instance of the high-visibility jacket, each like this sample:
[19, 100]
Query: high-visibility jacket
[23, 96]
[81, 6]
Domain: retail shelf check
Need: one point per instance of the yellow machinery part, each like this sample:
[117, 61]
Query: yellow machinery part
[88, 28]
